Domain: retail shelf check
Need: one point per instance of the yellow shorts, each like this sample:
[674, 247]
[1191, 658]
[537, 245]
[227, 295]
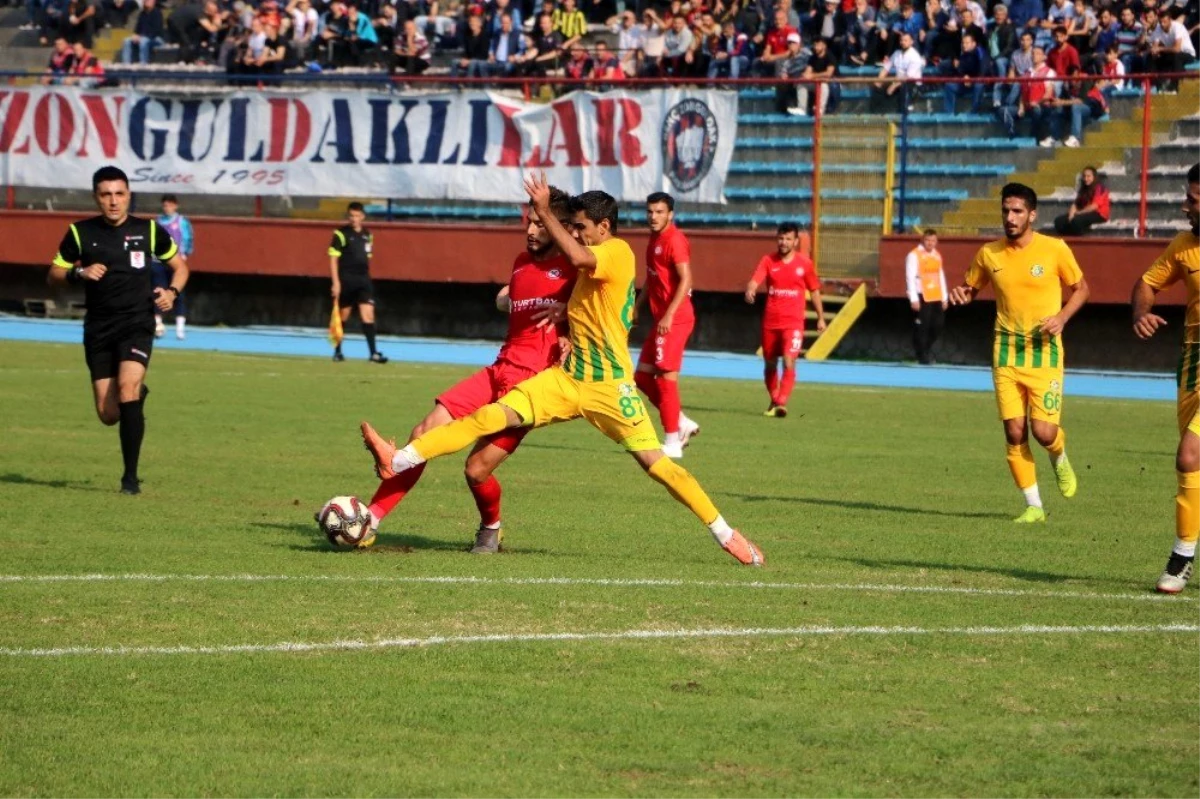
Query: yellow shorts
[1037, 393]
[1188, 407]
[612, 407]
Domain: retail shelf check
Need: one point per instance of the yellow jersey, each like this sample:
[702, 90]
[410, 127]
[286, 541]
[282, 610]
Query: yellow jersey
[1028, 282]
[1181, 261]
[600, 313]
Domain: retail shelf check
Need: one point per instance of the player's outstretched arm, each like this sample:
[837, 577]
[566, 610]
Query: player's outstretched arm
[1145, 323]
[751, 291]
[578, 255]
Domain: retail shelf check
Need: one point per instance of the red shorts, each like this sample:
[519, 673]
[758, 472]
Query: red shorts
[482, 388]
[782, 342]
[666, 352]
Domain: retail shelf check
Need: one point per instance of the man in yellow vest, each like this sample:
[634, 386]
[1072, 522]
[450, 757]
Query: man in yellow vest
[927, 293]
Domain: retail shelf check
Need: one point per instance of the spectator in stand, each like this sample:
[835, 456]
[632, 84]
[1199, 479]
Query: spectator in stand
[1091, 206]
[147, 34]
[654, 42]
[360, 40]
[904, 64]
[1130, 41]
[1002, 42]
[932, 22]
[1170, 49]
[183, 28]
[1102, 38]
[547, 49]
[33, 13]
[911, 23]
[1082, 29]
[1038, 100]
[334, 28]
[86, 71]
[61, 58]
[969, 23]
[1058, 14]
[570, 23]
[578, 65]
[775, 47]
[731, 55]
[473, 63]
[1080, 102]
[412, 49]
[52, 21]
[706, 32]
[823, 67]
[826, 21]
[81, 22]
[793, 16]
[506, 47]
[215, 25]
[117, 12]
[439, 25]
[1113, 72]
[978, 16]
[605, 64]
[1063, 58]
[1027, 15]
[677, 55]
[597, 11]
[792, 65]
[630, 39]
[1006, 96]
[971, 65]
[860, 33]
[887, 23]
[496, 12]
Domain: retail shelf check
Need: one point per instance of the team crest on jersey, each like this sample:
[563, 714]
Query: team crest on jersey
[1037, 270]
[658, 250]
[137, 259]
[799, 271]
[1054, 386]
[689, 143]
[625, 390]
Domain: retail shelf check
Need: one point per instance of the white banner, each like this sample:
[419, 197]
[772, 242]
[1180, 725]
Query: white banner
[459, 145]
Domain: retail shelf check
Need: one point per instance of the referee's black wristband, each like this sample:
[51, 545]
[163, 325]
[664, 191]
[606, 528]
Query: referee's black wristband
[172, 288]
[73, 275]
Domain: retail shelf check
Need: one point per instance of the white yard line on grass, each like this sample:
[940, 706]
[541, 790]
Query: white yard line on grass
[615, 582]
[623, 635]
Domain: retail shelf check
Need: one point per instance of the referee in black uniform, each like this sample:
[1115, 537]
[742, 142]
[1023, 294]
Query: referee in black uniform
[350, 264]
[111, 256]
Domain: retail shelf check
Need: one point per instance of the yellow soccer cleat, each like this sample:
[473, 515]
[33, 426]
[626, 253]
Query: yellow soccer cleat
[1068, 483]
[1032, 515]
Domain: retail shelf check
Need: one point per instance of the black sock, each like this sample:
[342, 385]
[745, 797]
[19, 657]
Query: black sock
[145, 393]
[369, 332]
[133, 429]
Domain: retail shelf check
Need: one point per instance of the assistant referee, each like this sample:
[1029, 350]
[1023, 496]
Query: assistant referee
[350, 253]
[111, 256]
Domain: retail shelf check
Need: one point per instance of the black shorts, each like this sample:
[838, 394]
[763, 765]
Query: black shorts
[106, 343]
[356, 291]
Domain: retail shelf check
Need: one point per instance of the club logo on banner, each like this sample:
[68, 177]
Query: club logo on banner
[468, 145]
[690, 135]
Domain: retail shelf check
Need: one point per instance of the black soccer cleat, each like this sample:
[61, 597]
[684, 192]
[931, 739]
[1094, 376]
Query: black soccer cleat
[131, 486]
[378, 357]
[338, 357]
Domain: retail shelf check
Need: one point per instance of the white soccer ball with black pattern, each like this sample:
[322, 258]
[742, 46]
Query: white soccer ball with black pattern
[346, 522]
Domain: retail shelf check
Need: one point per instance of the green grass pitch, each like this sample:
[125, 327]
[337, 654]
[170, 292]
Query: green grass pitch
[905, 638]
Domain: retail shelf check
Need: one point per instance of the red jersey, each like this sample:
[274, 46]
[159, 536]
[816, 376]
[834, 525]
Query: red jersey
[534, 285]
[775, 41]
[664, 252]
[786, 283]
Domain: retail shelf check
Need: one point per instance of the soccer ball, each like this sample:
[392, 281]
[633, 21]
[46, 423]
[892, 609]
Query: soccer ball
[346, 522]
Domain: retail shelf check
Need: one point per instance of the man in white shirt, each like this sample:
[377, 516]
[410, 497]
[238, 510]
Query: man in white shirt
[1061, 13]
[630, 41]
[925, 281]
[1170, 47]
[905, 63]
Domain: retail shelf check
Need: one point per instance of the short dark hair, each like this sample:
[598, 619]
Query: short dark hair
[1194, 174]
[170, 198]
[661, 197]
[1021, 192]
[928, 232]
[1060, 29]
[597, 206]
[560, 203]
[355, 206]
[107, 173]
[787, 227]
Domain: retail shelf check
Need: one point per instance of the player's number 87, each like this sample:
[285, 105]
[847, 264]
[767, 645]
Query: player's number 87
[630, 406]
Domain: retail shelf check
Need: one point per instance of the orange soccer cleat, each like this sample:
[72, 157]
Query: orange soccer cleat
[383, 450]
[745, 550]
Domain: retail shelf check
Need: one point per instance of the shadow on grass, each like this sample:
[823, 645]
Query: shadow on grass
[385, 543]
[1155, 453]
[860, 505]
[1016, 573]
[12, 478]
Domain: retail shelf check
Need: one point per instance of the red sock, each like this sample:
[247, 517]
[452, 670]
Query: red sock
[392, 490]
[487, 499]
[785, 387]
[648, 385]
[771, 378]
[669, 409]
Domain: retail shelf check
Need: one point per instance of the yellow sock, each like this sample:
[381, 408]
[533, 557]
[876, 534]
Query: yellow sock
[460, 434]
[1020, 463]
[685, 488]
[1187, 507]
[1057, 446]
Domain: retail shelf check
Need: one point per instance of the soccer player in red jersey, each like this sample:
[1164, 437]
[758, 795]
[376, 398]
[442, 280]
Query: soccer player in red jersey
[541, 279]
[669, 291]
[787, 274]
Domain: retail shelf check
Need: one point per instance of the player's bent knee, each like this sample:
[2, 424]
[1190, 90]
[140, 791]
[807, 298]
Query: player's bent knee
[1044, 432]
[1187, 459]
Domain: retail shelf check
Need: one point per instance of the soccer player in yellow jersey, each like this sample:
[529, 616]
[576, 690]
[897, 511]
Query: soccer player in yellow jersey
[1180, 261]
[596, 381]
[1028, 272]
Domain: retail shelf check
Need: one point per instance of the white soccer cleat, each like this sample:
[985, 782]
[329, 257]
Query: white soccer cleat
[1175, 577]
[673, 451]
[687, 429]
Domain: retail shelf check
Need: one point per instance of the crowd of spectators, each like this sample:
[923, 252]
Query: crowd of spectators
[690, 40]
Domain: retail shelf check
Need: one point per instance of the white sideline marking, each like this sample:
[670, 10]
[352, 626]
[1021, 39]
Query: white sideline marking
[616, 582]
[624, 635]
